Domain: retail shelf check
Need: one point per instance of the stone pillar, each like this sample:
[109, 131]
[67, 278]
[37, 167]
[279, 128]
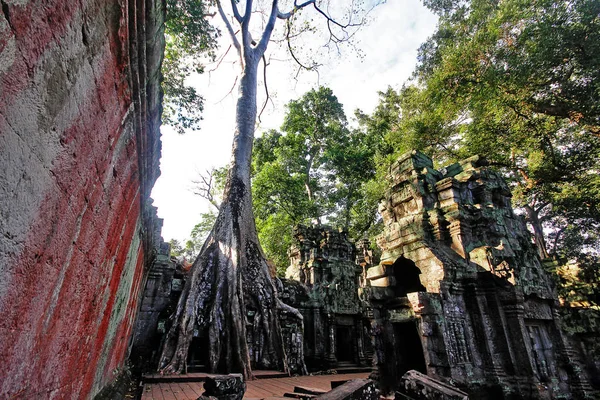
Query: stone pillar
[517, 336]
[330, 358]
[432, 328]
[385, 362]
[569, 359]
[494, 367]
[360, 344]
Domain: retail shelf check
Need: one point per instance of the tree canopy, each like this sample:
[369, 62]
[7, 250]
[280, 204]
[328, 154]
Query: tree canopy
[516, 81]
[189, 37]
[313, 171]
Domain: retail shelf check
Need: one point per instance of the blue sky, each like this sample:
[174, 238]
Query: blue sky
[389, 45]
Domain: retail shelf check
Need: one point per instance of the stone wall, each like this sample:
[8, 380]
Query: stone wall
[79, 148]
[460, 292]
[324, 284]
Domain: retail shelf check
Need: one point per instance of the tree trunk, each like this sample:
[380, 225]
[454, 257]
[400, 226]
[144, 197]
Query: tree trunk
[533, 218]
[230, 276]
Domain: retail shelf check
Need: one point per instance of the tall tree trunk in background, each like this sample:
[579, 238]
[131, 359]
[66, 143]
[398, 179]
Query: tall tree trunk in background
[230, 275]
[533, 217]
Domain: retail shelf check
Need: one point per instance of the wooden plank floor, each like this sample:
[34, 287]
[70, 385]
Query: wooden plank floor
[201, 376]
[256, 389]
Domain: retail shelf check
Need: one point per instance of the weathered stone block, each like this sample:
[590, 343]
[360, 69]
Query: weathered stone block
[380, 293]
[357, 389]
[401, 315]
[384, 282]
[423, 387]
[379, 271]
[225, 387]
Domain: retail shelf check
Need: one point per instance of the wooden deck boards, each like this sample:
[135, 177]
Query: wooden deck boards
[256, 389]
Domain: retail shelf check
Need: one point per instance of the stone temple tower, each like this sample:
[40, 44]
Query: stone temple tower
[460, 293]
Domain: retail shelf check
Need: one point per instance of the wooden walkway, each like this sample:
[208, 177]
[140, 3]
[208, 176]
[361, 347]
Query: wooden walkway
[256, 389]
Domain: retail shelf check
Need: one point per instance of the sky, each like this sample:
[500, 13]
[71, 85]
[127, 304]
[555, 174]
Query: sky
[388, 44]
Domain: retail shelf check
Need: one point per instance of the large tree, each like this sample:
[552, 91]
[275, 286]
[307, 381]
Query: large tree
[231, 277]
[314, 170]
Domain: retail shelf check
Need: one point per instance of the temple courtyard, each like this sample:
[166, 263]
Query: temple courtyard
[263, 387]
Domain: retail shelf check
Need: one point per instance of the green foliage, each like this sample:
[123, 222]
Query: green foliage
[194, 244]
[201, 230]
[189, 37]
[313, 171]
[176, 248]
[516, 81]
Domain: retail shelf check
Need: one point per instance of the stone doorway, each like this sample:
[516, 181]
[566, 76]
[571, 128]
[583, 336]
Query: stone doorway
[198, 354]
[344, 352]
[409, 349]
[407, 277]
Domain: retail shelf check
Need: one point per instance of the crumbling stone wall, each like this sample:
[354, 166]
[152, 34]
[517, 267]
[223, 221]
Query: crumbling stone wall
[323, 283]
[79, 149]
[459, 280]
[165, 281]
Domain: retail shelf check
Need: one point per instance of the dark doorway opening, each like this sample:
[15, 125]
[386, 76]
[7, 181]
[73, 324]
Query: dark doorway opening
[407, 277]
[198, 354]
[409, 350]
[344, 351]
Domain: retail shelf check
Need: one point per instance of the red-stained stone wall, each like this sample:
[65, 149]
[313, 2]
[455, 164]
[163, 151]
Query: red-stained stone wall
[79, 148]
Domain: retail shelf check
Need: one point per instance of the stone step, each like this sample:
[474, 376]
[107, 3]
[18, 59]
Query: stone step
[352, 369]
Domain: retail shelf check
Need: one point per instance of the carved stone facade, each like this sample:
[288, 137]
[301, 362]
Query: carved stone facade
[323, 282]
[460, 292]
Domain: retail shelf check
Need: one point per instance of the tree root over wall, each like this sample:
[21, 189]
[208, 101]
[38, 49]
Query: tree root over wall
[229, 278]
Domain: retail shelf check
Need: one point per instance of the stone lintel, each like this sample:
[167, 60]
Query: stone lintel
[379, 271]
[443, 185]
[401, 315]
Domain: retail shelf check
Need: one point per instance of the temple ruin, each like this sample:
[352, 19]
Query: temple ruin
[459, 294]
[336, 318]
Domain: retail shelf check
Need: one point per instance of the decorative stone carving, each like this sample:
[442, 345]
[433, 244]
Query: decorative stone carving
[456, 255]
[224, 387]
[324, 262]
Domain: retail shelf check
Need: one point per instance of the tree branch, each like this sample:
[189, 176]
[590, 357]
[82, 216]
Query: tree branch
[234, 39]
[556, 238]
[331, 20]
[293, 11]
[248, 11]
[205, 188]
[246, 39]
[291, 50]
[220, 60]
[230, 90]
[541, 206]
[266, 36]
[236, 12]
[265, 63]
